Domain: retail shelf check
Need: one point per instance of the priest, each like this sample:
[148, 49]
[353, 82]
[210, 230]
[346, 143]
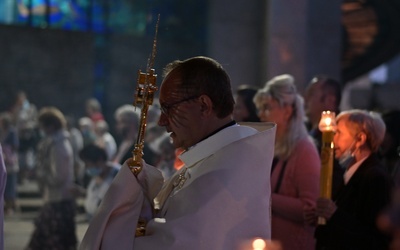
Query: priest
[219, 199]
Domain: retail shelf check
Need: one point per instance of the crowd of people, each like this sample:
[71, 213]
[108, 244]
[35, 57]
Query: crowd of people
[220, 168]
[69, 159]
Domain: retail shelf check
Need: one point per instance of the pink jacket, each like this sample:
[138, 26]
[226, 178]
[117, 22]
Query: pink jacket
[299, 188]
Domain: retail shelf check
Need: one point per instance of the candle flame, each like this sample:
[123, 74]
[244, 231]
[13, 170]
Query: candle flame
[259, 244]
[327, 122]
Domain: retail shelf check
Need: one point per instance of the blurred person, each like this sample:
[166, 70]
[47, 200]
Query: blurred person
[167, 152]
[296, 168]
[154, 135]
[24, 115]
[390, 147]
[245, 110]
[93, 110]
[55, 224]
[322, 94]
[10, 142]
[154, 112]
[86, 126]
[127, 125]
[104, 139]
[351, 218]
[3, 179]
[219, 198]
[101, 172]
[76, 139]
[389, 220]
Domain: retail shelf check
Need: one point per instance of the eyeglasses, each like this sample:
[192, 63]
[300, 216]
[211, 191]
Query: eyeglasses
[166, 107]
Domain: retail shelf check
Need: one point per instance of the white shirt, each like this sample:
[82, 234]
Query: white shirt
[350, 171]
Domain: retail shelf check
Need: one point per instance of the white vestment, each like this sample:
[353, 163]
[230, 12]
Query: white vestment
[221, 200]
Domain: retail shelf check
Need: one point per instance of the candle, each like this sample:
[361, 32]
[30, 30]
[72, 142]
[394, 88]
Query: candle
[260, 244]
[327, 125]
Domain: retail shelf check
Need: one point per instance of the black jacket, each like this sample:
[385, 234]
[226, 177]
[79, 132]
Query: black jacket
[359, 202]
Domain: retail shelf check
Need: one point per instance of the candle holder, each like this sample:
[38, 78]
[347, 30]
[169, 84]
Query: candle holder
[327, 126]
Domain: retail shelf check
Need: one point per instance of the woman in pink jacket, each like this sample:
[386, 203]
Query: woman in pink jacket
[296, 168]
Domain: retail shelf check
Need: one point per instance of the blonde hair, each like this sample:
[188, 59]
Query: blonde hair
[368, 122]
[282, 89]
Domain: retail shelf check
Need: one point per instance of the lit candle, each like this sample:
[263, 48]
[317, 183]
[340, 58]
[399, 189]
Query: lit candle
[327, 125]
[258, 244]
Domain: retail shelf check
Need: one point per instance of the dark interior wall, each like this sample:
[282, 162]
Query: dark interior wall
[53, 67]
[63, 68]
